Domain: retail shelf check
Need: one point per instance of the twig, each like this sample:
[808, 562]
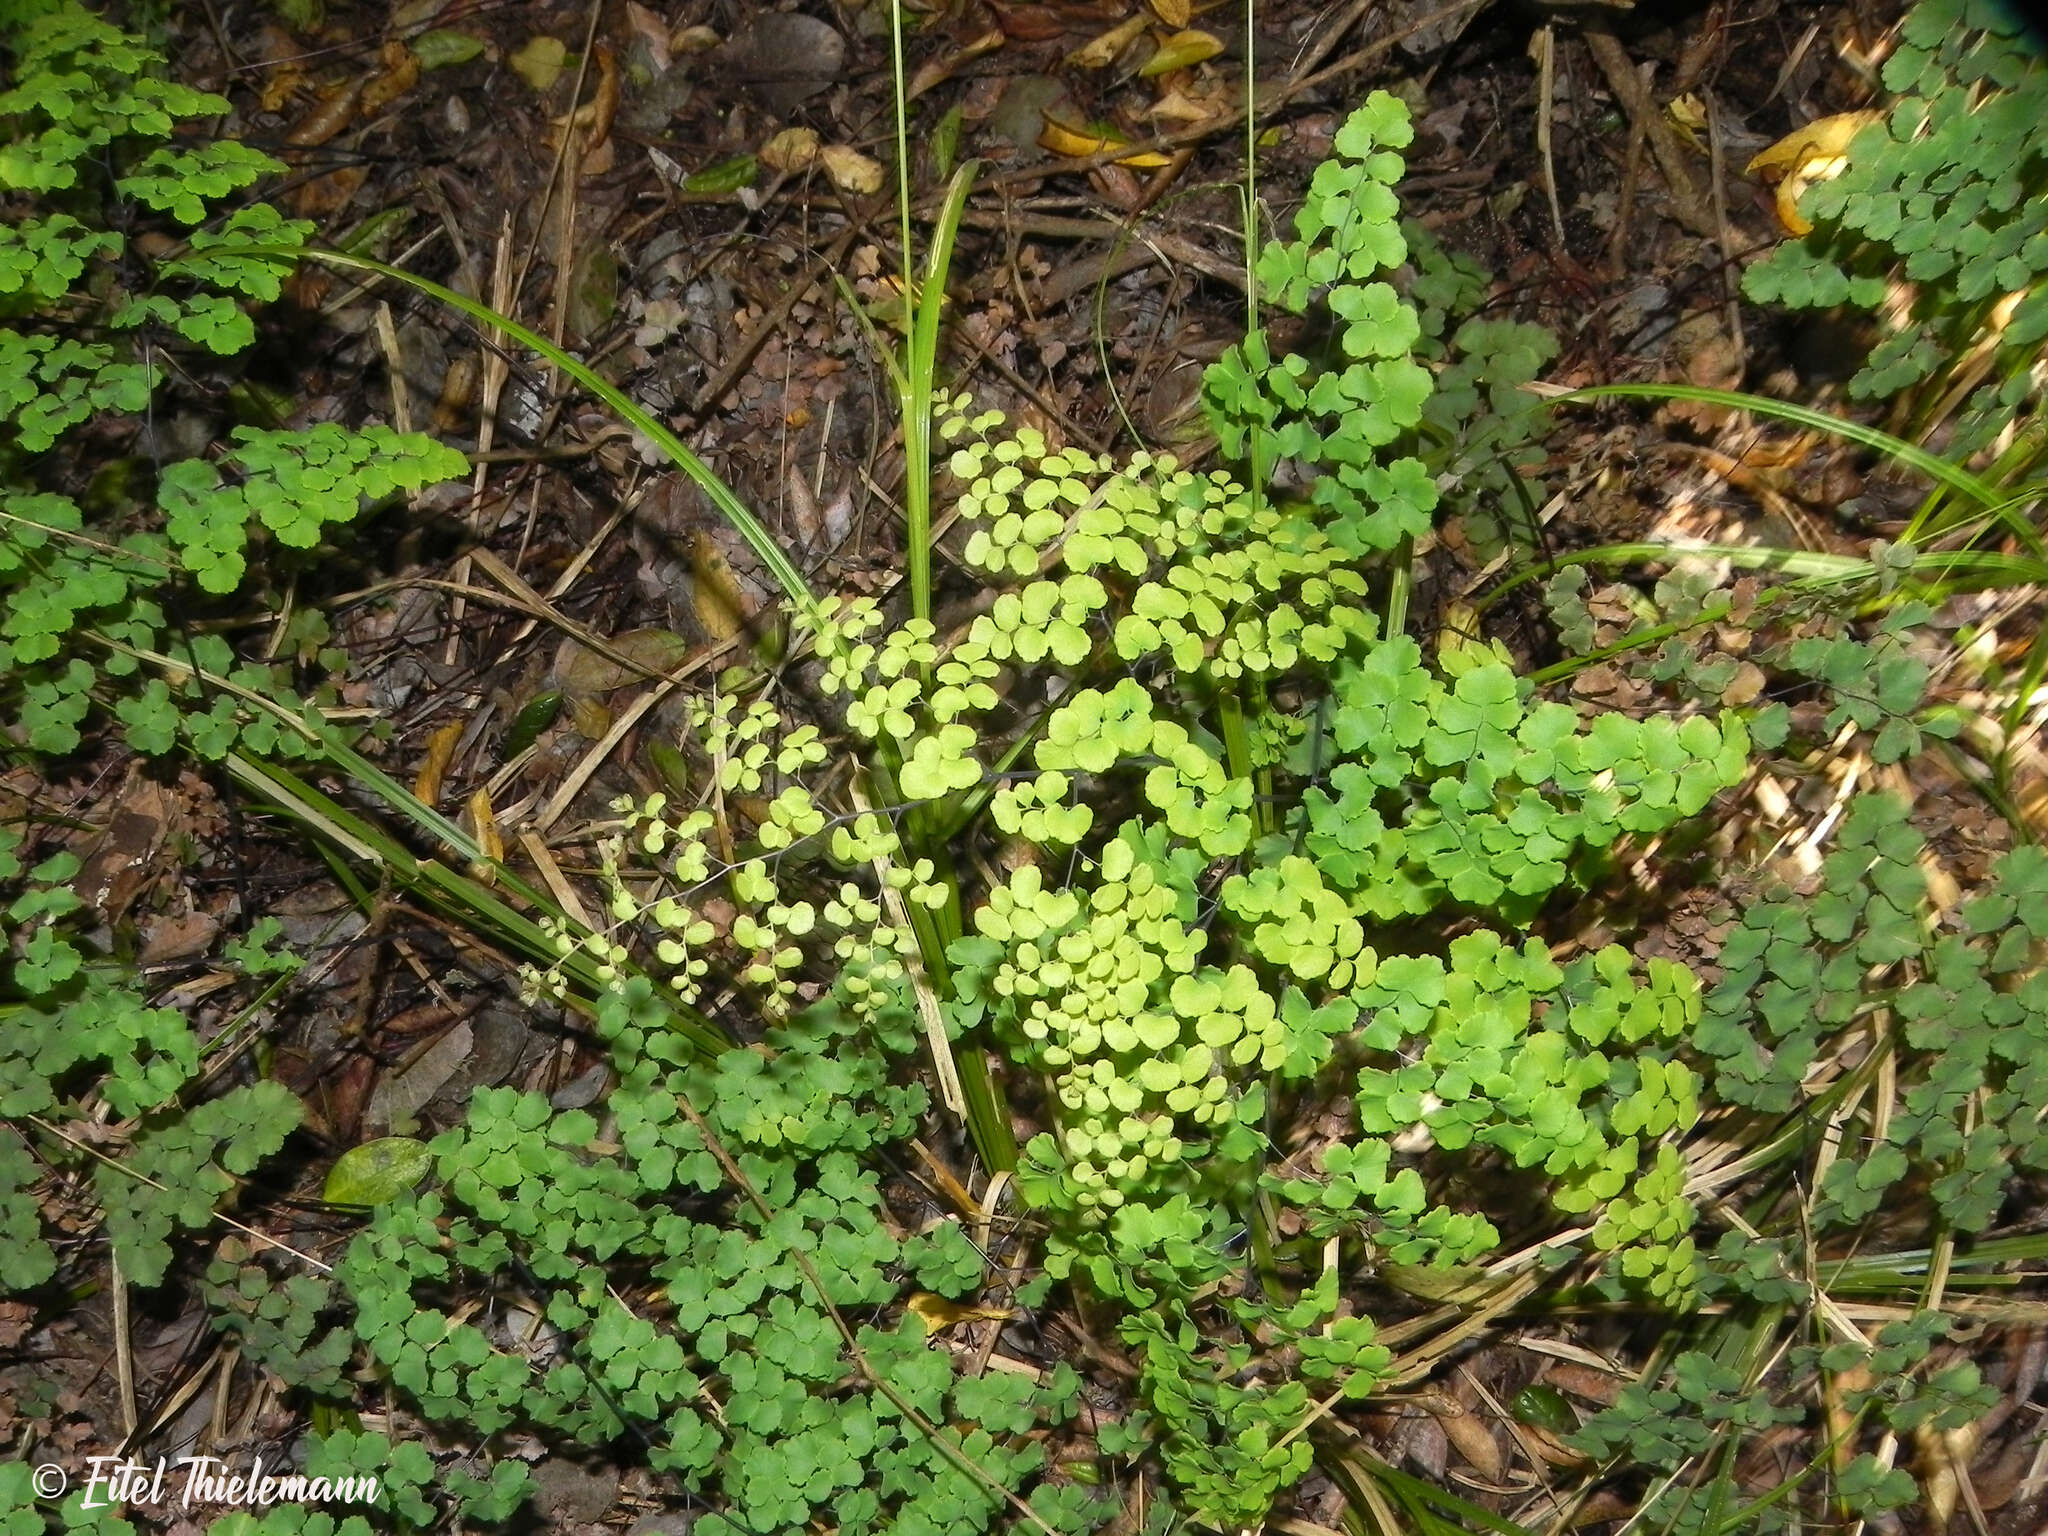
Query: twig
[1544, 46]
[1642, 110]
[142, 1178]
[1625, 204]
[1730, 283]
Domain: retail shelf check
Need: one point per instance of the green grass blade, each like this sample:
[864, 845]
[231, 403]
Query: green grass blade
[927, 319]
[1932, 465]
[729, 506]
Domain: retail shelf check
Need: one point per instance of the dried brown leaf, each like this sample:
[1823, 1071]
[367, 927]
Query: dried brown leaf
[850, 170]
[1103, 51]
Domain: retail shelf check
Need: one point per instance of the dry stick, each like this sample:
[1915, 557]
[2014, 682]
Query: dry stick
[861, 1363]
[1625, 206]
[943, 1066]
[142, 1178]
[1334, 34]
[568, 134]
[497, 369]
[124, 1349]
[521, 598]
[1163, 247]
[394, 363]
[1730, 283]
[1544, 45]
[1635, 99]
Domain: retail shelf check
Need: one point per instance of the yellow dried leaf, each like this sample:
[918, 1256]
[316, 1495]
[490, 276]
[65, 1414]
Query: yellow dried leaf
[715, 591]
[790, 150]
[1174, 13]
[1817, 152]
[490, 841]
[850, 170]
[938, 1314]
[426, 786]
[1101, 52]
[540, 62]
[401, 74]
[1688, 114]
[1078, 143]
[281, 85]
[1823, 138]
[1183, 50]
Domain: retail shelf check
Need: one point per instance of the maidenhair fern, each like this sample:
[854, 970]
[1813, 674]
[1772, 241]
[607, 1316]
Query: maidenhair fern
[1168, 952]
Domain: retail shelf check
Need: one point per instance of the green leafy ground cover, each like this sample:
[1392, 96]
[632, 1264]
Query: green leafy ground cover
[1180, 845]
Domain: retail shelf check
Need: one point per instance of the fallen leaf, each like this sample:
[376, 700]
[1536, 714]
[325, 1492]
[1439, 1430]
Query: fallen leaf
[1688, 115]
[1029, 23]
[332, 113]
[401, 74]
[122, 861]
[1459, 1283]
[1103, 51]
[714, 590]
[280, 86]
[400, 1096]
[329, 194]
[1176, 106]
[1183, 50]
[540, 62]
[1473, 1440]
[850, 170]
[1816, 152]
[937, 70]
[444, 47]
[1078, 143]
[1745, 687]
[652, 31]
[593, 293]
[1822, 138]
[584, 673]
[661, 319]
[489, 841]
[793, 149]
[187, 937]
[1118, 186]
[938, 1314]
[588, 717]
[426, 786]
[785, 58]
[1174, 13]
[724, 176]
[407, 14]
[377, 1171]
[594, 118]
